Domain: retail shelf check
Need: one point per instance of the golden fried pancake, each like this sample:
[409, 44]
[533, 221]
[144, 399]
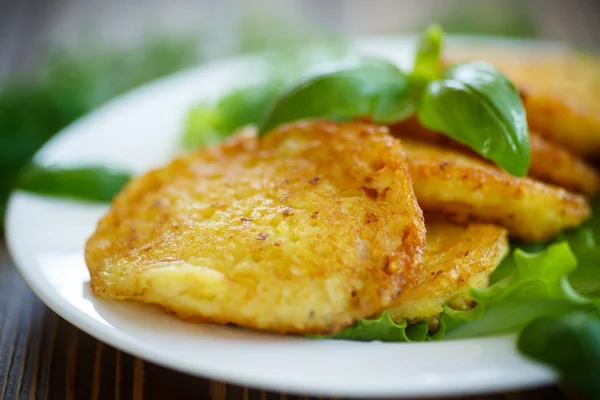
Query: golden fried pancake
[306, 231]
[550, 162]
[554, 164]
[464, 188]
[559, 90]
[456, 258]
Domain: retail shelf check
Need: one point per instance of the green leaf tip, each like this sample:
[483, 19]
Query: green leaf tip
[427, 57]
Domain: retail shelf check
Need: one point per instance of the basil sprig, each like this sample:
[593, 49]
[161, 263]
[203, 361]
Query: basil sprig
[473, 103]
[361, 87]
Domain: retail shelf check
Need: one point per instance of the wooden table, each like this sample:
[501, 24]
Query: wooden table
[44, 357]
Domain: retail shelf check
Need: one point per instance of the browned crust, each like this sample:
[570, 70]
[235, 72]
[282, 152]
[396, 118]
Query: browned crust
[463, 188]
[311, 202]
[550, 163]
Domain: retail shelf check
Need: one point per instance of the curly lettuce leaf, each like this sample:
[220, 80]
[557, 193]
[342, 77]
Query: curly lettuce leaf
[382, 328]
[537, 286]
[566, 272]
[586, 277]
[549, 292]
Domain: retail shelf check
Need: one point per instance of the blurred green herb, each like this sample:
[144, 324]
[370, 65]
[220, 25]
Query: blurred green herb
[208, 124]
[90, 183]
[489, 18]
[70, 85]
[570, 344]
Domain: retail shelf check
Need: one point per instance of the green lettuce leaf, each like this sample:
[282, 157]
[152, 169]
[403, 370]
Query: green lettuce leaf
[549, 292]
[565, 272]
[586, 277]
[382, 328]
[569, 344]
[538, 285]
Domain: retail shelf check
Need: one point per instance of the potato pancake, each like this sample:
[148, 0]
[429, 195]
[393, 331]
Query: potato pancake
[464, 188]
[550, 162]
[304, 231]
[456, 258]
[559, 90]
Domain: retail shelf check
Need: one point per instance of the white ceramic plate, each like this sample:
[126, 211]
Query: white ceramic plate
[140, 130]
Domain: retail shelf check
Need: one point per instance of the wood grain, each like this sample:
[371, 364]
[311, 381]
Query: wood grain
[44, 357]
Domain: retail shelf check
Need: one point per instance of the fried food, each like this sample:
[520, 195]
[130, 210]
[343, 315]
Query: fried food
[559, 89]
[553, 164]
[456, 258]
[550, 162]
[305, 231]
[464, 188]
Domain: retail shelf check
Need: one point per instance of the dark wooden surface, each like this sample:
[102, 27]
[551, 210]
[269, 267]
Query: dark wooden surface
[44, 357]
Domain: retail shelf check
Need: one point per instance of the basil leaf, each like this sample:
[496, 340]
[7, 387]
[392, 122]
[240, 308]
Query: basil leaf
[571, 345]
[351, 89]
[427, 58]
[97, 184]
[476, 105]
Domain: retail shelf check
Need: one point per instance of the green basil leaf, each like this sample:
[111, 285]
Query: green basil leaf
[427, 58]
[91, 183]
[476, 105]
[350, 89]
[571, 345]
